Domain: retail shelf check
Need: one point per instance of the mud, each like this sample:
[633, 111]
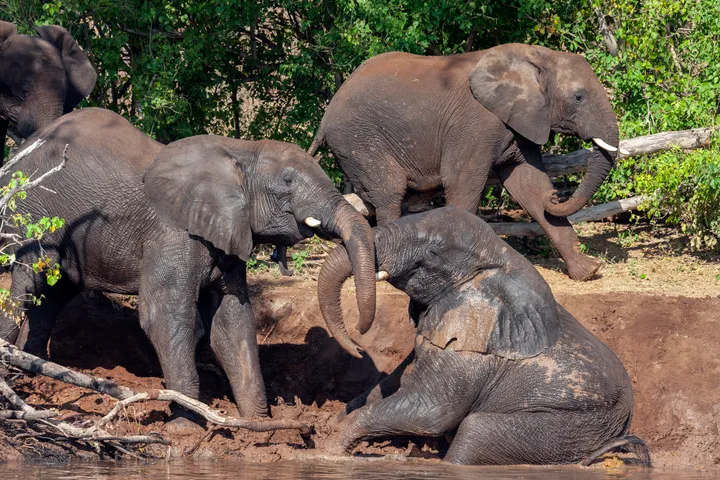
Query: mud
[670, 346]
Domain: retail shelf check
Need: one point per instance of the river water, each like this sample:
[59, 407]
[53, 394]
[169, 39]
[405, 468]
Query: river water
[309, 469]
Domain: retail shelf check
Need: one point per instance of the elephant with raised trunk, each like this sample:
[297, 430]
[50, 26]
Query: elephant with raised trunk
[497, 362]
[175, 225]
[41, 78]
[405, 123]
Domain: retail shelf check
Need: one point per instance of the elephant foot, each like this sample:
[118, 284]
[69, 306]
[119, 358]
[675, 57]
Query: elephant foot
[584, 267]
[184, 423]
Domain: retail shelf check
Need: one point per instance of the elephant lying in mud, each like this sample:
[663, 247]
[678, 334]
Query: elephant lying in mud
[497, 362]
[403, 124]
[41, 78]
[175, 225]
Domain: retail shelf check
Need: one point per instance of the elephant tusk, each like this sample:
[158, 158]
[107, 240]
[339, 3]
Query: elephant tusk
[312, 222]
[382, 275]
[623, 151]
[604, 145]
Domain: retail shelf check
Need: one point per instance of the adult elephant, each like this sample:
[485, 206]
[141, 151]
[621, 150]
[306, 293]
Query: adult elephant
[497, 361]
[405, 123]
[41, 78]
[175, 225]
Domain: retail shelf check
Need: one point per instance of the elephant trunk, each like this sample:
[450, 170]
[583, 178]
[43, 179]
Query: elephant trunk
[357, 238]
[335, 270]
[599, 165]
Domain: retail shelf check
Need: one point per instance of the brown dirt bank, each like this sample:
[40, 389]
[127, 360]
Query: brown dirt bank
[670, 346]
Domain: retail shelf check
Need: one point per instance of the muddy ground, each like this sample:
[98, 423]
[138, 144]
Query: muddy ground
[667, 337]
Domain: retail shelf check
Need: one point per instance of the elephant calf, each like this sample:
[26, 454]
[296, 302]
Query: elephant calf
[497, 361]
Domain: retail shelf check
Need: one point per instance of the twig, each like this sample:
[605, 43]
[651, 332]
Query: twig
[13, 397]
[30, 415]
[34, 183]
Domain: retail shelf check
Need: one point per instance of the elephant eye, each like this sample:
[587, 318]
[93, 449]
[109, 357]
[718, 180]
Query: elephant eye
[579, 97]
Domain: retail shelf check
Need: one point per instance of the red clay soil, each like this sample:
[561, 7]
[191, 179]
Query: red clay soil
[670, 346]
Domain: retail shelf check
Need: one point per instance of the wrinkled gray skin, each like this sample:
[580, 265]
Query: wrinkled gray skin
[402, 124]
[497, 362]
[40, 78]
[175, 225]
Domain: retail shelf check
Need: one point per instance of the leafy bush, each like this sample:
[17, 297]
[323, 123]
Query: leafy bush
[684, 190]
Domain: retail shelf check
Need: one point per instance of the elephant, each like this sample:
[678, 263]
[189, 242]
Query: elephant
[175, 224]
[404, 125]
[497, 362]
[40, 78]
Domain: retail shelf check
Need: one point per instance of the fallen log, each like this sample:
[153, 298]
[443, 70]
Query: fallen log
[11, 355]
[597, 212]
[575, 162]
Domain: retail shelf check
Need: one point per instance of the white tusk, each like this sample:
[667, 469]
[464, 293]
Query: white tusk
[601, 143]
[623, 151]
[312, 222]
[382, 275]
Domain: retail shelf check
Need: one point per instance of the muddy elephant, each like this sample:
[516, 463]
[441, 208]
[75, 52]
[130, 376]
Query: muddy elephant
[497, 362]
[41, 78]
[175, 225]
[402, 124]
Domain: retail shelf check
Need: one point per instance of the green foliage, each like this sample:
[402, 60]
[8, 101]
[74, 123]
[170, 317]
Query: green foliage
[684, 190]
[298, 259]
[266, 69]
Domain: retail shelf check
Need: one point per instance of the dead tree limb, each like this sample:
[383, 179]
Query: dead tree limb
[30, 363]
[598, 212]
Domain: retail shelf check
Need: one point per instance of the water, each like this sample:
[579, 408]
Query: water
[309, 469]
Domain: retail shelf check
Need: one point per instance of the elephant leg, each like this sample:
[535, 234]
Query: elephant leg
[386, 387]
[464, 183]
[234, 342]
[279, 256]
[167, 304]
[432, 400]
[528, 183]
[381, 181]
[34, 334]
[523, 438]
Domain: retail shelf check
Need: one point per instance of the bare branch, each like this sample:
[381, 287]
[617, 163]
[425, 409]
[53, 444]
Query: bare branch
[34, 183]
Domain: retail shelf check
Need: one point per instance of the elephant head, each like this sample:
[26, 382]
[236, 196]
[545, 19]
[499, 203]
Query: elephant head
[432, 257]
[40, 78]
[535, 90]
[234, 193]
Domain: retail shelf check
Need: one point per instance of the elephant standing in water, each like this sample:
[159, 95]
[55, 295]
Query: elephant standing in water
[175, 225]
[40, 78]
[405, 123]
[496, 361]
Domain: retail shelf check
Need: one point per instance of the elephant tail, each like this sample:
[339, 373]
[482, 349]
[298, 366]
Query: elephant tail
[318, 142]
[627, 444]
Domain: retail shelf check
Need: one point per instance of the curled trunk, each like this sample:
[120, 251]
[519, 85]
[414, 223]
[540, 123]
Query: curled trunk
[335, 270]
[599, 165]
[357, 238]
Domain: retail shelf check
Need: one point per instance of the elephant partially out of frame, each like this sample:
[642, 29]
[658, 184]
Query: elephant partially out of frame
[41, 78]
[405, 123]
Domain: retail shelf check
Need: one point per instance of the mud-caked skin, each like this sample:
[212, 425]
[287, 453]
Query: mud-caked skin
[175, 224]
[403, 125]
[41, 78]
[497, 362]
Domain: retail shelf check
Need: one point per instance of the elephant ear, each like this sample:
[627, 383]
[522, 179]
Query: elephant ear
[494, 316]
[79, 71]
[201, 189]
[7, 30]
[509, 81]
